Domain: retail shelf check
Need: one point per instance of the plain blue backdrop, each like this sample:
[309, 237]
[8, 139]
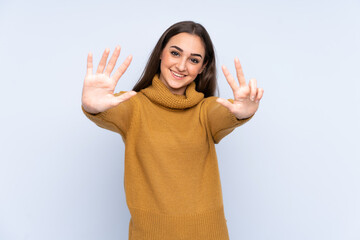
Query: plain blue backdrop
[293, 172]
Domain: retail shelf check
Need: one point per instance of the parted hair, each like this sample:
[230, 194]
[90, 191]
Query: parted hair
[205, 81]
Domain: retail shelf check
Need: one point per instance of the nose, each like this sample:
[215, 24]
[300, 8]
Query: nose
[181, 64]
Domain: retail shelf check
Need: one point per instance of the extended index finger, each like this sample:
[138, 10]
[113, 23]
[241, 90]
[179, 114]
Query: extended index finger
[240, 73]
[230, 79]
[121, 70]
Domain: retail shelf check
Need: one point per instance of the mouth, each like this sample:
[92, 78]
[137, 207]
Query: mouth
[177, 75]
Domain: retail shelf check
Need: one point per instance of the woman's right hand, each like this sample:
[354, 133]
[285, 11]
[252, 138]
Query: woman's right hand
[98, 90]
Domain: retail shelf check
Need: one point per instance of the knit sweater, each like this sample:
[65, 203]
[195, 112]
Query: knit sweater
[171, 179]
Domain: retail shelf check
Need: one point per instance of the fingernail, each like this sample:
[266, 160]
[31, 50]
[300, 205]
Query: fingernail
[252, 98]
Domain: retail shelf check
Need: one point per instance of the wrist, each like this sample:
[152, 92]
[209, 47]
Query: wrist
[243, 117]
[91, 111]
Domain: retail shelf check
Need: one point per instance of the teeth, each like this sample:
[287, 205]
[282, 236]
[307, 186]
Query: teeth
[178, 75]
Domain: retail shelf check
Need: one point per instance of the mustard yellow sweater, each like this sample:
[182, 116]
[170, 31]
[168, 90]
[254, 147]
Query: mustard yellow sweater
[171, 178]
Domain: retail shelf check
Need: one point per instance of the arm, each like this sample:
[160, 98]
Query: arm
[246, 97]
[221, 120]
[230, 114]
[116, 119]
[99, 103]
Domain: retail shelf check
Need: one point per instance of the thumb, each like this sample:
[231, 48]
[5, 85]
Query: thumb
[225, 103]
[125, 96]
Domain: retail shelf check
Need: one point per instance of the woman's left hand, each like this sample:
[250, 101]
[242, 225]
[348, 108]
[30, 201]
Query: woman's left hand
[246, 97]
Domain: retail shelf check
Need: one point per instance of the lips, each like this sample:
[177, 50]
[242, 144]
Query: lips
[177, 75]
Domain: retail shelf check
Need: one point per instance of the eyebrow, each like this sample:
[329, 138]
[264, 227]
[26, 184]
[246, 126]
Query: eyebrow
[193, 54]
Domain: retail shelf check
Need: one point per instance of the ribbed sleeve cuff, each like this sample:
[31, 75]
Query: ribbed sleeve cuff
[239, 122]
[87, 113]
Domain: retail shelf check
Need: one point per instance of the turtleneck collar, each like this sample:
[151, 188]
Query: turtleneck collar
[160, 94]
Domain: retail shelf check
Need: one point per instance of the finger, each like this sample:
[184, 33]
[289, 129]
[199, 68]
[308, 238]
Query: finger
[225, 103]
[112, 62]
[239, 73]
[89, 64]
[253, 89]
[259, 95]
[230, 79]
[121, 70]
[125, 96]
[102, 62]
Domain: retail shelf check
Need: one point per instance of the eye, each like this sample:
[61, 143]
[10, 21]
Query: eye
[194, 60]
[175, 53]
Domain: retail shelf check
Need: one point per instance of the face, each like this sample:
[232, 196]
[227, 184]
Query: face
[182, 59]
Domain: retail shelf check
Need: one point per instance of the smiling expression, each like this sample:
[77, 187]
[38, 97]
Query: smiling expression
[181, 61]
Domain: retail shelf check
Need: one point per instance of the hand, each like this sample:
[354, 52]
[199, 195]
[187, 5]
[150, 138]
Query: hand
[246, 97]
[98, 89]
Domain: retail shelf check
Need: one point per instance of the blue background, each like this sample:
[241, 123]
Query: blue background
[293, 172]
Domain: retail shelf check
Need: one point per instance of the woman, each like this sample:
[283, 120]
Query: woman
[169, 124]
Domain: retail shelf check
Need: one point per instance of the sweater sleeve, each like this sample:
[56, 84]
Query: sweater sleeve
[220, 120]
[116, 119]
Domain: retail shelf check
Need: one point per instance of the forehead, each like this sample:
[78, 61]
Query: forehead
[190, 43]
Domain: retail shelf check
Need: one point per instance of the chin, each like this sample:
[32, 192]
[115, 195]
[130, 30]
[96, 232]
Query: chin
[175, 85]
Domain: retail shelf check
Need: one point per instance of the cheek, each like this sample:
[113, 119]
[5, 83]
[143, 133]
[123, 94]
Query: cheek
[165, 59]
[194, 69]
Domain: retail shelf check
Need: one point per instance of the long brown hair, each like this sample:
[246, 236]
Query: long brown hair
[206, 81]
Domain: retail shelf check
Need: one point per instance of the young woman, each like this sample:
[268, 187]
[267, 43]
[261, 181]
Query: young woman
[169, 124]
